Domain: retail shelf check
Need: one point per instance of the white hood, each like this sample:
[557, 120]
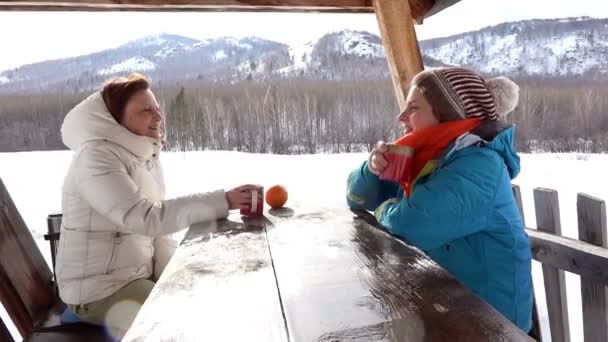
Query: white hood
[90, 120]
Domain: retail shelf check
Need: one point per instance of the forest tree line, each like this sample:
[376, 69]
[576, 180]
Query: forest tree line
[312, 116]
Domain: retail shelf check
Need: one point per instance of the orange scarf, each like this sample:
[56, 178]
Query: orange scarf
[428, 144]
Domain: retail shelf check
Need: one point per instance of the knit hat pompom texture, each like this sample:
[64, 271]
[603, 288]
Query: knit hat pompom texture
[458, 93]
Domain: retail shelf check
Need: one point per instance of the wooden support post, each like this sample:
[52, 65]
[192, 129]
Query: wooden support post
[400, 44]
[592, 229]
[546, 204]
[25, 277]
[16, 309]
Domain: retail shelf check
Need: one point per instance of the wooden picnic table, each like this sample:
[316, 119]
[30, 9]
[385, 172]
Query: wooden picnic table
[310, 275]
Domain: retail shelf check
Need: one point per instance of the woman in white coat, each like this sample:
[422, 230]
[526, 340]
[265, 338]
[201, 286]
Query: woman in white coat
[115, 238]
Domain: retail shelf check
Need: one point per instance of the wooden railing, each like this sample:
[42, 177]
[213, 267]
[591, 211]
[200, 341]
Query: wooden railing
[587, 257]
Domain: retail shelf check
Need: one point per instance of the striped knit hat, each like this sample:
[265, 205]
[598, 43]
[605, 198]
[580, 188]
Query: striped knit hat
[458, 93]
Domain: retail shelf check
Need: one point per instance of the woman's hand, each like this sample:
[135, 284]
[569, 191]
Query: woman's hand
[376, 161]
[240, 197]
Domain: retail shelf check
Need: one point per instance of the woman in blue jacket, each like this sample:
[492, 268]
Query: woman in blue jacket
[455, 201]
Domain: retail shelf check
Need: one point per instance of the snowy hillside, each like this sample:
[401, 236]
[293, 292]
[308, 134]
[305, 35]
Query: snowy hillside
[132, 64]
[551, 48]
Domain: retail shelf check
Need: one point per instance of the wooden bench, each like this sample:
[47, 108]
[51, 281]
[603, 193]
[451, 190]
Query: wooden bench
[26, 285]
[310, 275]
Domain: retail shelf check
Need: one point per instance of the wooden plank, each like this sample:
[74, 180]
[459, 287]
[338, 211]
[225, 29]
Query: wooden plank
[341, 279]
[535, 332]
[5, 334]
[570, 255]
[519, 201]
[592, 229]
[14, 306]
[439, 6]
[420, 8]
[395, 19]
[27, 276]
[219, 286]
[331, 6]
[546, 204]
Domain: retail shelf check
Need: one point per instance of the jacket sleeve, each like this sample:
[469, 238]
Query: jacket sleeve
[453, 202]
[106, 185]
[164, 248]
[366, 191]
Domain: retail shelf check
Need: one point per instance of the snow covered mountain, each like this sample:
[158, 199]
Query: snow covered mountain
[557, 48]
[164, 57]
[548, 48]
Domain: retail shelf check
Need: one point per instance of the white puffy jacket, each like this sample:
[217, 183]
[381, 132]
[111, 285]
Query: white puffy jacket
[115, 218]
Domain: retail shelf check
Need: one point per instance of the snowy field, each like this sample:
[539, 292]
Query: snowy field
[34, 180]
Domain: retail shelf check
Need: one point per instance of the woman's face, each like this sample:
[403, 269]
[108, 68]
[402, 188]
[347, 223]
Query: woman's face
[418, 112]
[142, 115]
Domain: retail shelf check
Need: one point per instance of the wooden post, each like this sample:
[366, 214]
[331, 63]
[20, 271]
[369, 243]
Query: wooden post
[25, 277]
[546, 204]
[16, 309]
[400, 44]
[535, 332]
[592, 229]
[520, 203]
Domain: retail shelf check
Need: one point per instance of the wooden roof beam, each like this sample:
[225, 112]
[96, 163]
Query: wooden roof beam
[419, 8]
[192, 5]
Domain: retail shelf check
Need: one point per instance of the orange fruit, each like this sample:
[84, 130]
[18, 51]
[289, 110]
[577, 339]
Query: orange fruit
[276, 196]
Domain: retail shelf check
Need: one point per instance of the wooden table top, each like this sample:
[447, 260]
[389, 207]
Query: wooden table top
[310, 275]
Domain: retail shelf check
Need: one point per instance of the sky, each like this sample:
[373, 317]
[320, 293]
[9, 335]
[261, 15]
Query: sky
[28, 37]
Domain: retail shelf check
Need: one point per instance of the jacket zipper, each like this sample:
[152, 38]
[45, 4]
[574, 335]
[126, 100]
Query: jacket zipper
[116, 241]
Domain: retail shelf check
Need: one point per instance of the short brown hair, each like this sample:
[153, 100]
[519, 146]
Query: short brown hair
[116, 92]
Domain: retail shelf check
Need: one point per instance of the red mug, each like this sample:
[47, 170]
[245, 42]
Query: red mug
[256, 208]
[399, 160]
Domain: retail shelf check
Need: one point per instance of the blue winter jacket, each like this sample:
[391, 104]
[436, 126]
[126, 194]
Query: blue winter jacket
[464, 216]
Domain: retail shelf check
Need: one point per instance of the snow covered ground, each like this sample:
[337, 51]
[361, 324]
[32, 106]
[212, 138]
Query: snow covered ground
[34, 180]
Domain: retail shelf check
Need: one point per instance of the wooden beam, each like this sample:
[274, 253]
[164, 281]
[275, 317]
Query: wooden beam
[440, 5]
[592, 229]
[396, 23]
[420, 8]
[16, 309]
[548, 220]
[571, 255]
[347, 6]
[25, 277]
